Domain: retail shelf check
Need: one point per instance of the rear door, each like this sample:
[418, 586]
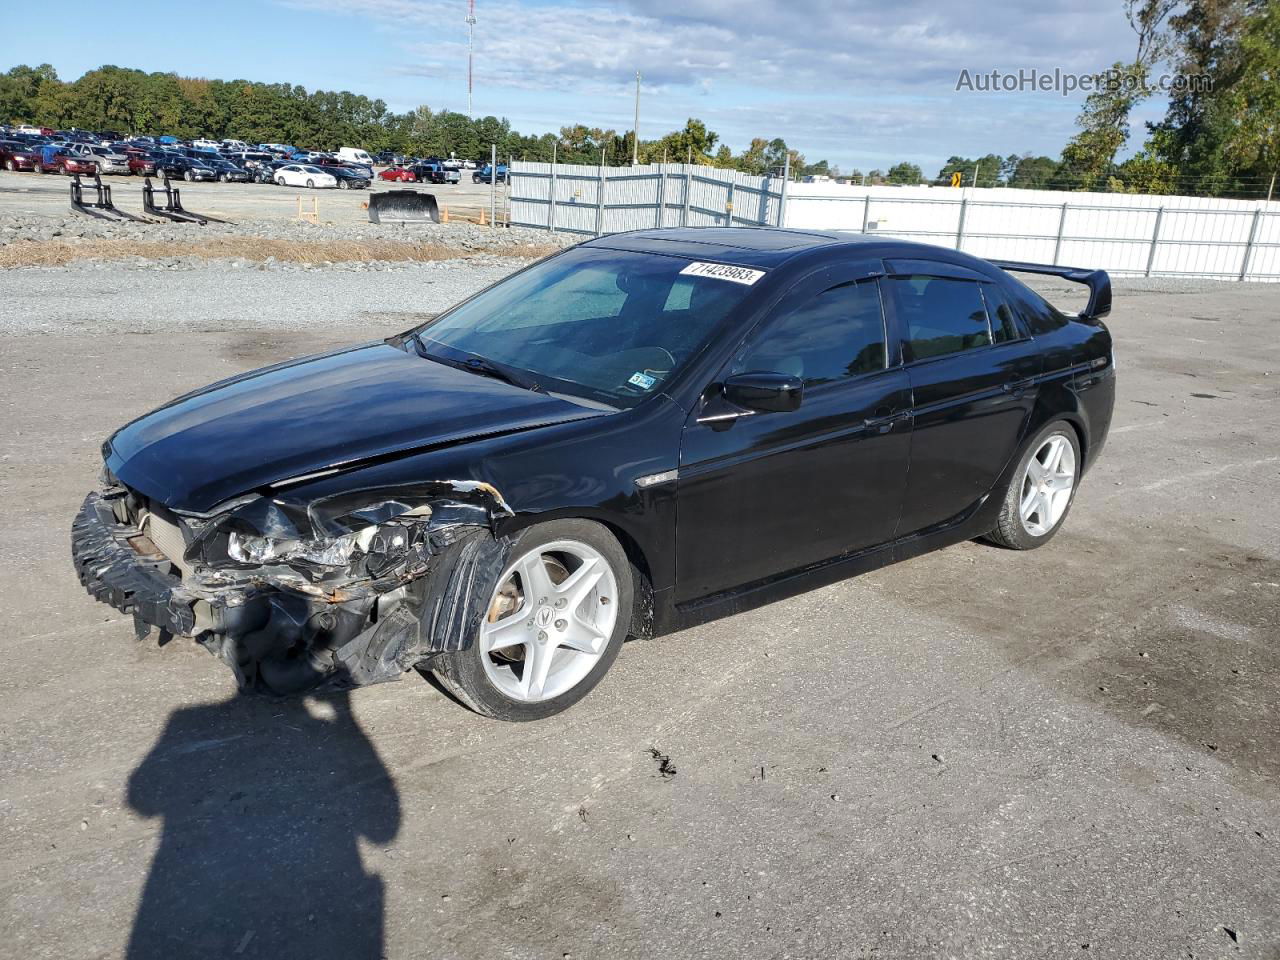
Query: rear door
[764, 493]
[973, 373]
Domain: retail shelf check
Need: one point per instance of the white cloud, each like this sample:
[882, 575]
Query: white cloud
[846, 79]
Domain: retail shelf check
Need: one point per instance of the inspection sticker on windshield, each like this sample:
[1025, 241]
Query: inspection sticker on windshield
[642, 380]
[722, 271]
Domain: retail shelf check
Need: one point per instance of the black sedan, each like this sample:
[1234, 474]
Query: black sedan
[642, 433]
[349, 178]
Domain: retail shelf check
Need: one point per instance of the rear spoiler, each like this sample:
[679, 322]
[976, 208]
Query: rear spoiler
[1097, 281]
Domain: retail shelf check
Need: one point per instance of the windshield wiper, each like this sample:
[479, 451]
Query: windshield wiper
[478, 365]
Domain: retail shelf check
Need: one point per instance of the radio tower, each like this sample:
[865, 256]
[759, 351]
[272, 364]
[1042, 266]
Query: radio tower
[471, 48]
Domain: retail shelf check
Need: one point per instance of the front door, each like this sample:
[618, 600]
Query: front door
[764, 493]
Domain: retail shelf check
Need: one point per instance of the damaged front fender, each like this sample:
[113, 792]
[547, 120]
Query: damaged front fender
[423, 562]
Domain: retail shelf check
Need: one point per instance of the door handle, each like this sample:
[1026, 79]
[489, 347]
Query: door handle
[884, 421]
[1017, 386]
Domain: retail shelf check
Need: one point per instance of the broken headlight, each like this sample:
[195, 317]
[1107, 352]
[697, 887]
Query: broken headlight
[333, 552]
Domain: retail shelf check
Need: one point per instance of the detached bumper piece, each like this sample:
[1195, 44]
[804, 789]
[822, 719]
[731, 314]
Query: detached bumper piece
[120, 576]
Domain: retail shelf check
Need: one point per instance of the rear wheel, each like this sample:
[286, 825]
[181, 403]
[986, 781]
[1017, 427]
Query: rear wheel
[1042, 491]
[38, 168]
[343, 185]
[280, 181]
[191, 176]
[311, 184]
[555, 622]
[10, 166]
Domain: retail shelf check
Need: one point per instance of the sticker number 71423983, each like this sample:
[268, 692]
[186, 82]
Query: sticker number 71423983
[723, 271]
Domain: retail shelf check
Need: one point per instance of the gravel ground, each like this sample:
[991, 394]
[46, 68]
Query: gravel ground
[73, 228]
[219, 295]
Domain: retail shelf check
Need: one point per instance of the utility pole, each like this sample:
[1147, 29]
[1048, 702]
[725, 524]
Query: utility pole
[975, 174]
[1271, 189]
[635, 131]
[471, 50]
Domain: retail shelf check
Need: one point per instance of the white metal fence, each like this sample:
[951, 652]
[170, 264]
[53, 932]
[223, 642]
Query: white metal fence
[1127, 235]
[574, 198]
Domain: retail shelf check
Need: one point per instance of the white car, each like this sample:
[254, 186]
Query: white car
[305, 175]
[108, 161]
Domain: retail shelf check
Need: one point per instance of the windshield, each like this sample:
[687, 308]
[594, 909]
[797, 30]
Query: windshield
[606, 325]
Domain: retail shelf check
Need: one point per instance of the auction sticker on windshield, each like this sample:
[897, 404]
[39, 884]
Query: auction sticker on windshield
[722, 271]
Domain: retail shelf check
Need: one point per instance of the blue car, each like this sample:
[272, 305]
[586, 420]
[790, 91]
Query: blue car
[485, 174]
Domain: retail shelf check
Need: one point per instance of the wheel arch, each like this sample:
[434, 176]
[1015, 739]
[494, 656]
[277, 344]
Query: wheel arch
[642, 619]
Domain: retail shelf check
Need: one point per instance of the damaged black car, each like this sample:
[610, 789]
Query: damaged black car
[639, 434]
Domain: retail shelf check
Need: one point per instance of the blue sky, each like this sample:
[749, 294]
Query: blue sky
[861, 84]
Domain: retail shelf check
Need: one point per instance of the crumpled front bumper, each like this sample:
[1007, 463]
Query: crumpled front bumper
[115, 573]
[283, 641]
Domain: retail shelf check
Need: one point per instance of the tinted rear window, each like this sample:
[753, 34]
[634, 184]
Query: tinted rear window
[939, 316]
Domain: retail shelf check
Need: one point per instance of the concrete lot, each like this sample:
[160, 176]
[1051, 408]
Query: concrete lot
[27, 194]
[979, 753]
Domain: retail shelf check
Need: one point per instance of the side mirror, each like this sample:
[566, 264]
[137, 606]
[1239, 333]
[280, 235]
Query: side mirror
[768, 392]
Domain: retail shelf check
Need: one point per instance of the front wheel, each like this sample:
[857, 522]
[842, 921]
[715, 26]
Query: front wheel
[554, 624]
[191, 176]
[1042, 490]
[343, 185]
[10, 166]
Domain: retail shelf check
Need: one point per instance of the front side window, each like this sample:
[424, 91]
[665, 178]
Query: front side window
[836, 334]
[939, 316]
[606, 325]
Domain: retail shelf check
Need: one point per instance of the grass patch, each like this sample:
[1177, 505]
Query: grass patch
[57, 253]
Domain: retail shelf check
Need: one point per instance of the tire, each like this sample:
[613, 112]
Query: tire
[1038, 500]
[38, 168]
[280, 181]
[190, 176]
[343, 185]
[484, 680]
[11, 166]
[311, 184]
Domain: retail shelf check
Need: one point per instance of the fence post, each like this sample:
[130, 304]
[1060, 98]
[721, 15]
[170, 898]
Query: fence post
[866, 211]
[662, 197]
[600, 197]
[1155, 241]
[493, 184]
[551, 211]
[782, 199]
[688, 188]
[728, 206]
[1248, 247]
[964, 207]
[1062, 226]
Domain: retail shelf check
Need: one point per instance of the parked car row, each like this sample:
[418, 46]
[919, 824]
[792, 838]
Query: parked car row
[42, 150]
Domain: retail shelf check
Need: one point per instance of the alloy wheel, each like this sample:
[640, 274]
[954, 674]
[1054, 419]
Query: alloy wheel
[1047, 485]
[549, 621]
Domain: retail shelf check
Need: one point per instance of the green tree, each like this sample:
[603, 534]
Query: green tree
[905, 173]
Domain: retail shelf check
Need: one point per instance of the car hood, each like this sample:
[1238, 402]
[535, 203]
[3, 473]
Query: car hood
[312, 414]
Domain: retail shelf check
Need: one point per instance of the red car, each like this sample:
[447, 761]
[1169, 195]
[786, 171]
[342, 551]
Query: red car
[67, 164]
[400, 174]
[17, 156]
[140, 164]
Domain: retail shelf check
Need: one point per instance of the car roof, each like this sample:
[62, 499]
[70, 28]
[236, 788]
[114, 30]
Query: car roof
[767, 247]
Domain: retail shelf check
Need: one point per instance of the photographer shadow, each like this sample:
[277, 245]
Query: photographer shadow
[263, 806]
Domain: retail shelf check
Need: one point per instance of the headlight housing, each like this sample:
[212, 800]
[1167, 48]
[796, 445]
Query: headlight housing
[332, 552]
